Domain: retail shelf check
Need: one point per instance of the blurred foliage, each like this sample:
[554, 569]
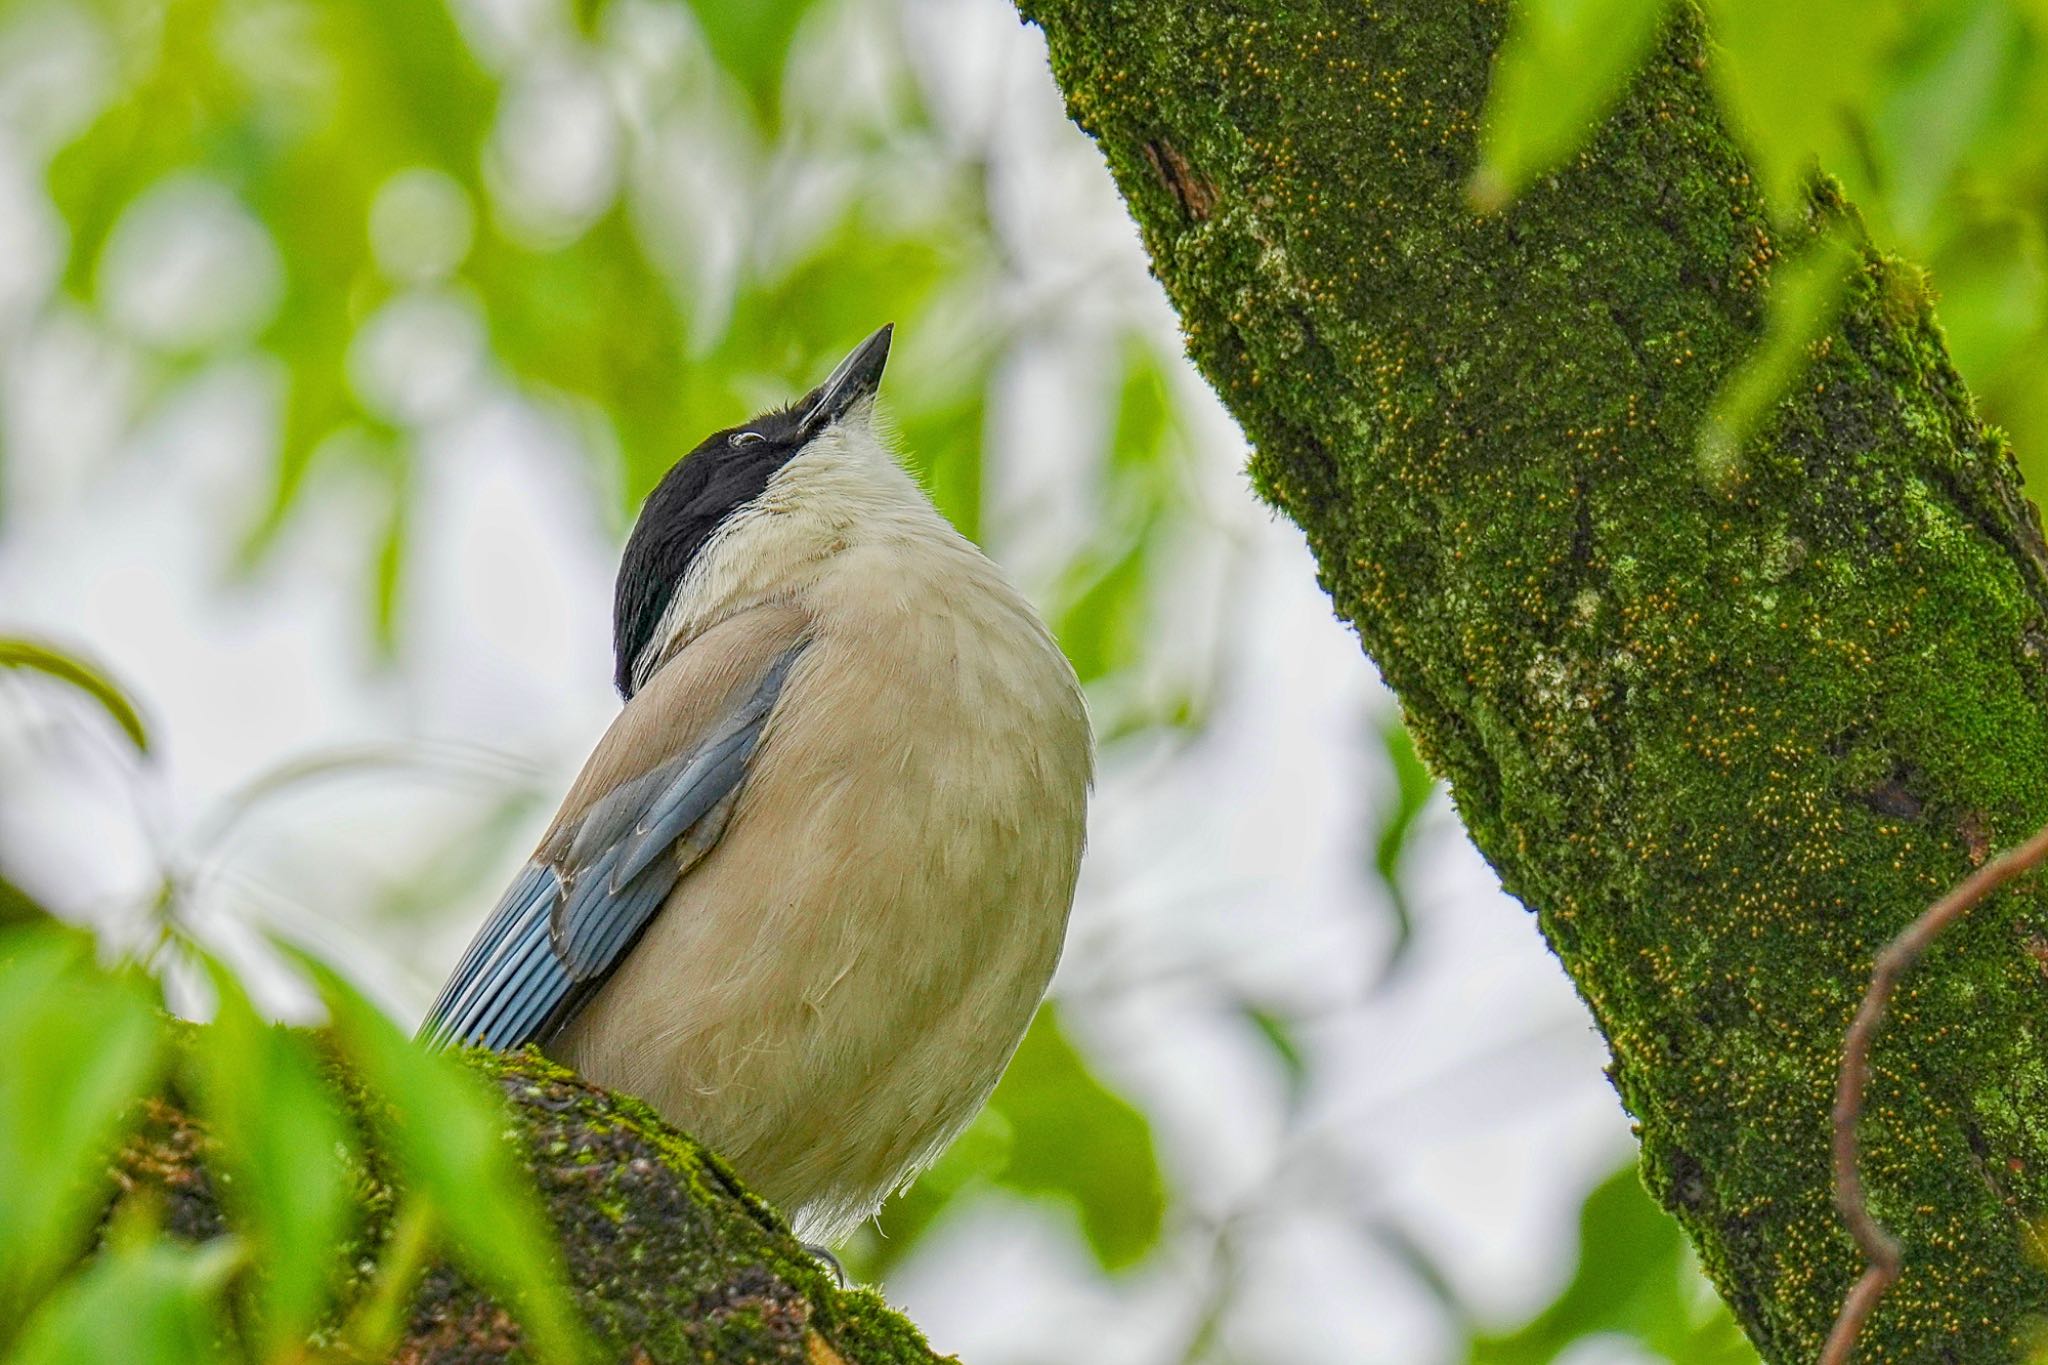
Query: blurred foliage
[1636, 1280]
[1413, 786]
[1074, 1140]
[357, 197]
[1102, 612]
[751, 41]
[1564, 66]
[1925, 111]
[144, 1301]
[16, 908]
[288, 1186]
[1052, 1131]
[83, 1046]
[1805, 296]
[444, 1126]
[87, 1042]
[31, 656]
[1282, 1036]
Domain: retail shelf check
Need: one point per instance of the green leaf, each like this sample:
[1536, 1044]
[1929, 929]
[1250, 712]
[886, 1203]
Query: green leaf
[283, 1144]
[447, 1132]
[304, 114]
[599, 323]
[1413, 786]
[1052, 1131]
[388, 578]
[1141, 436]
[974, 1162]
[1075, 1140]
[18, 908]
[1102, 605]
[83, 1046]
[1805, 296]
[1992, 279]
[1562, 67]
[1277, 1032]
[788, 328]
[751, 39]
[942, 439]
[1800, 80]
[1947, 94]
[40, 658]
[2017, 400]
[1635, 1279]
[377, 1322]
[143, 1302]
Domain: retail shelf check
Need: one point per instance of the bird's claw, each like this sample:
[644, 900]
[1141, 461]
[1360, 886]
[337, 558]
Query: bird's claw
[831, 1261]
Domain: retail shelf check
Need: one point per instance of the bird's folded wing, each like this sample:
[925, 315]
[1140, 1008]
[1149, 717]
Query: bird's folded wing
[651, 802]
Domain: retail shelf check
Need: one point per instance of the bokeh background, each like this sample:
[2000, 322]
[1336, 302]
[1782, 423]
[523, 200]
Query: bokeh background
[338, 344]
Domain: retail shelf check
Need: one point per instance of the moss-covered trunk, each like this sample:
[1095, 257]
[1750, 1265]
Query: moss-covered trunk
[1725, 745]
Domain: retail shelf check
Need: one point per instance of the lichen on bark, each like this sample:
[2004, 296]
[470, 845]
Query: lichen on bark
[1724, 741]
[670, 1260]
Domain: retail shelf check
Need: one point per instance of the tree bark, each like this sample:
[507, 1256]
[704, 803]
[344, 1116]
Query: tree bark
[1724, 741]
[670, 1260]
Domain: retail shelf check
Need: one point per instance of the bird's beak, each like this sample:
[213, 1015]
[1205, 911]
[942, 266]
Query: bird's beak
[858, 377]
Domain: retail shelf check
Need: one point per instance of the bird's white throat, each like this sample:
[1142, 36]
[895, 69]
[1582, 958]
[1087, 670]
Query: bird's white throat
[844, 488]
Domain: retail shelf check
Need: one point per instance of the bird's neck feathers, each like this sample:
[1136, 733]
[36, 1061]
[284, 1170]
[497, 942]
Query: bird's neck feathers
[844, 489]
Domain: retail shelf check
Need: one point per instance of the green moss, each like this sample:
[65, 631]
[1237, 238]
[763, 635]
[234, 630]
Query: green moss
[1725, 743]
[670, 1258]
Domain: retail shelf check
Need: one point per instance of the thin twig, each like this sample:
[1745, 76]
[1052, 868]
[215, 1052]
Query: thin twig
[1879, 1247]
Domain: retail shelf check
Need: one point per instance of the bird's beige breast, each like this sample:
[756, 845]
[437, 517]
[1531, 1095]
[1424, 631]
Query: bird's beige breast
[834, 990]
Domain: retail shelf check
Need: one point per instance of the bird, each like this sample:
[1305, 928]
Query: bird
[808, 891]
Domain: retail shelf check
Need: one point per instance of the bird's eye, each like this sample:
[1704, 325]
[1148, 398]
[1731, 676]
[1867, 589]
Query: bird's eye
[744, 438]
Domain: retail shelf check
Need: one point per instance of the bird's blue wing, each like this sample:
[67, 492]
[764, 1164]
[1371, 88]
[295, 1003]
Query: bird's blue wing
[570, 918]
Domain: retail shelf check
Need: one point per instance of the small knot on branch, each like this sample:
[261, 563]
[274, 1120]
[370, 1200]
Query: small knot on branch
[1196, 194]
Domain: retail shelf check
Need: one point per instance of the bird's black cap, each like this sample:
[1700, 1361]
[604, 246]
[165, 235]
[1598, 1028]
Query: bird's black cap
[729, 469]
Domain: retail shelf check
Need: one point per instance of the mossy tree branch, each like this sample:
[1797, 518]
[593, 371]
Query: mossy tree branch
[1725, 742]
[669, 1259]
